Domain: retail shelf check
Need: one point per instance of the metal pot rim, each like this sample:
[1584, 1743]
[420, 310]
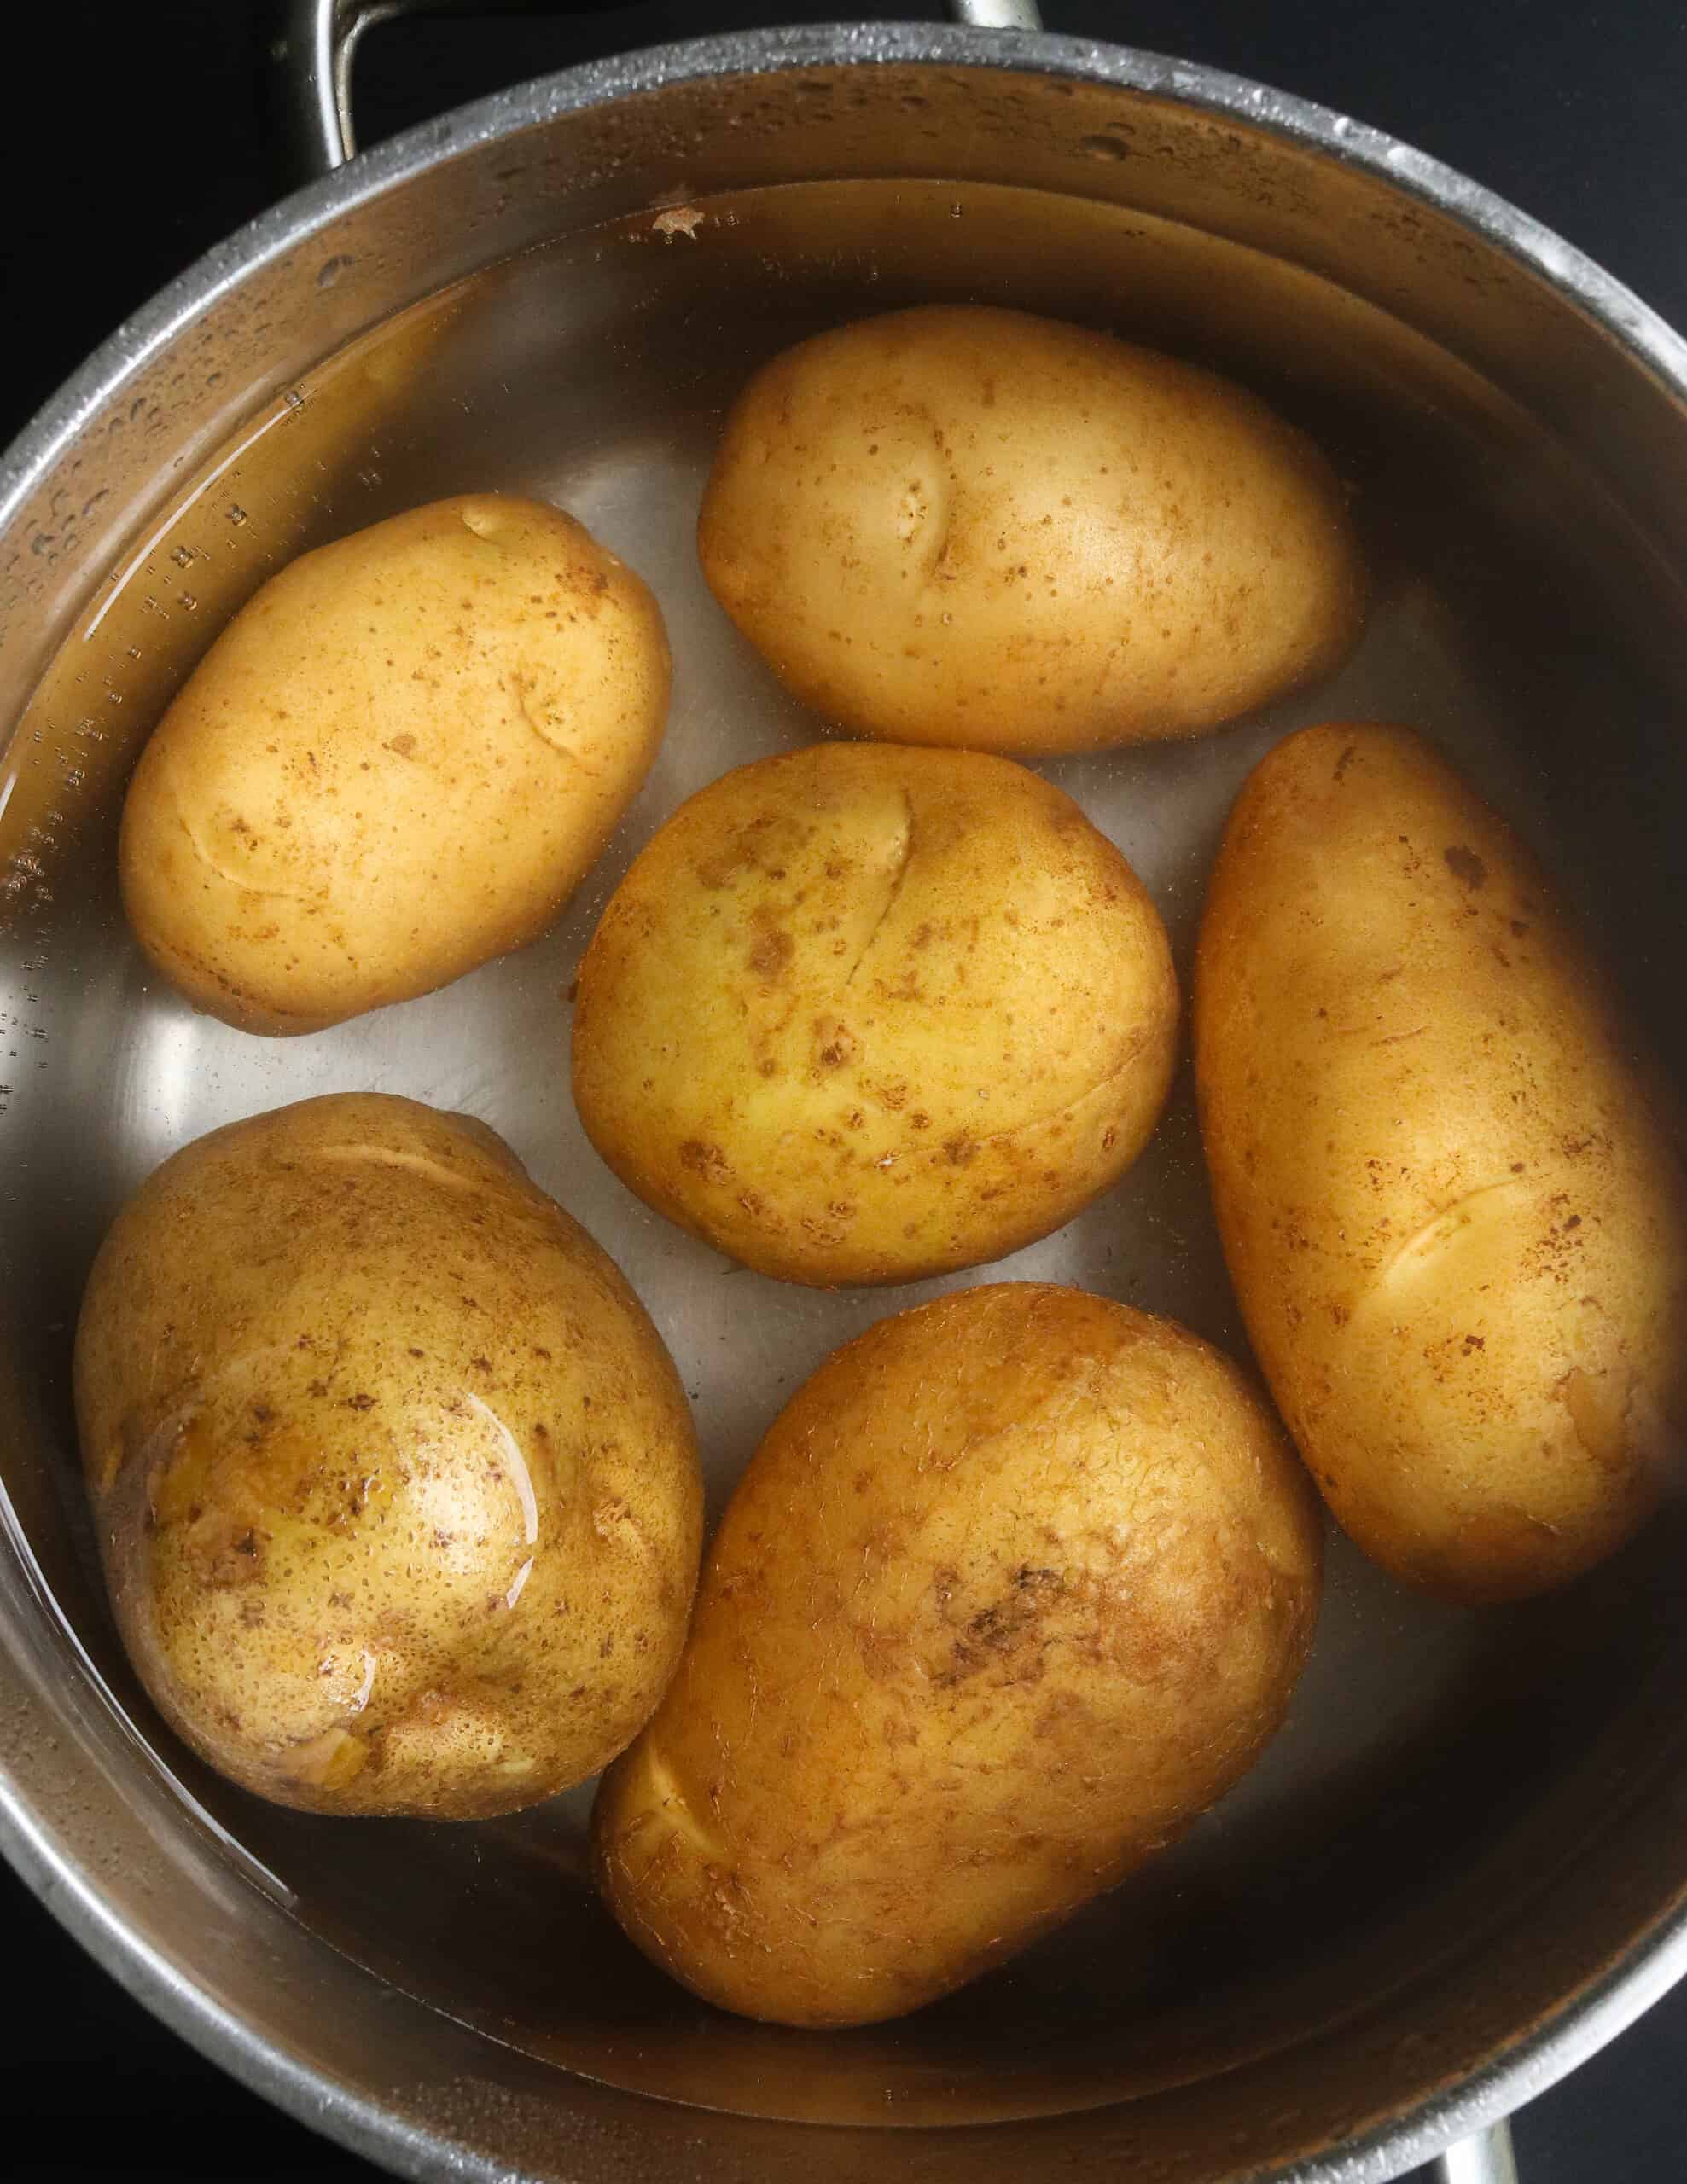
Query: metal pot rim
[1583, 2022]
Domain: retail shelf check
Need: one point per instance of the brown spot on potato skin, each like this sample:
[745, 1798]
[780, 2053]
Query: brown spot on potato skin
[836, 1046]
[1011, 1636]
[1466, 867]
[745, 850]
[771, 952]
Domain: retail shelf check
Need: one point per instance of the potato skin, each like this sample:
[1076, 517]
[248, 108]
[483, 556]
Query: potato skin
[976, 527]
[396, 1486]
[1451, 1201]
[1017, 1584]
[397, 762]
[860, 1015]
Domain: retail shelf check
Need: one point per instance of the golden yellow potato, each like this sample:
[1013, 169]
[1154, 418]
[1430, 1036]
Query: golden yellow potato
[396, 1486]
[397, 762]
[971, 527]
[861, 1013]
[1017, 1584]
[1451, 1199]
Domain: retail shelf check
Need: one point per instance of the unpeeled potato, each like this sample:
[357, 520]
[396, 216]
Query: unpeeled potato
[861, 1014]
[395, 1485]
[971, 527]
[1018, 1583]
[398, 761]
[1451, 1196]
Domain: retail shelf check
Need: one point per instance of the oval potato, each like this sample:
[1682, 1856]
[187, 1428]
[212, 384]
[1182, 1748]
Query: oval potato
[397, 762]
[1451, 1201]
[970, 526]
[861, 1014]
[1017, 1584]
[396, 1487]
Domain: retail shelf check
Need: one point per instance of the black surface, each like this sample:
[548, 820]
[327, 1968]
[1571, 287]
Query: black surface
[133, 139]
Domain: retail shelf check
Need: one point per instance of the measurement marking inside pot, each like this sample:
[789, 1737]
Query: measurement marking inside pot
[156, 537]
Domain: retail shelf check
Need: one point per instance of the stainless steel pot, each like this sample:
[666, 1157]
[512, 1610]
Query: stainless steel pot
[1462, 1867]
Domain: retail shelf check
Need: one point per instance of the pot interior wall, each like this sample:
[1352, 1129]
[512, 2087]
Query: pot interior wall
[1443, 1773]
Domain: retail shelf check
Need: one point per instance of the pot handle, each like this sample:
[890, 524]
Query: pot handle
[1486, 2158]
[316, 41]
[998, 15]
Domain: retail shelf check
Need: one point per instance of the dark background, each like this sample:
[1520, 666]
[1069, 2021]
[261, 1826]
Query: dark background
[134, 137]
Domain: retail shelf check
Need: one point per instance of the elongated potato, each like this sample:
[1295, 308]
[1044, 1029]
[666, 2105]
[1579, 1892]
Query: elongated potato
[397, 762]
[1017, 1584]
[972, 526]
[1452, 1201]
[395, 1483]
[866, 1014]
